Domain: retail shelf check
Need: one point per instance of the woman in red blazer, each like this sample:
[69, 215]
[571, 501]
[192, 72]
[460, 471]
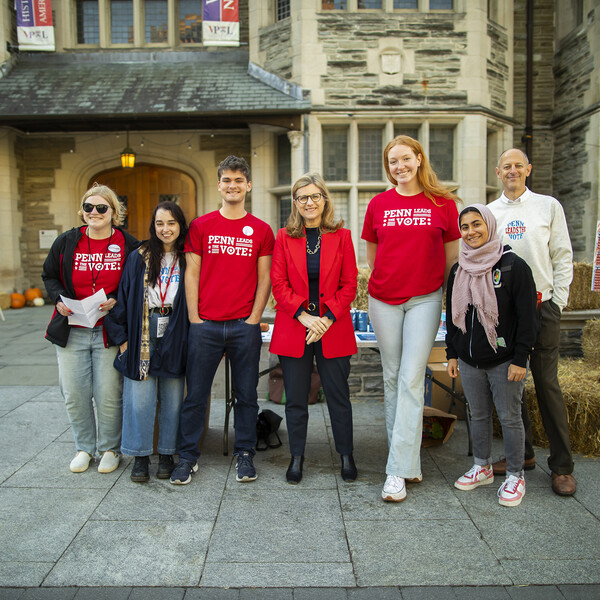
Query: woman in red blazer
[314, 281]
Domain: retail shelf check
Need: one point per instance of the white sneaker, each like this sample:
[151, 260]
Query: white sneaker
[511, 492]
[394, 489]
[417, 479]
[81, 462]
[109, 462]
[474, 477]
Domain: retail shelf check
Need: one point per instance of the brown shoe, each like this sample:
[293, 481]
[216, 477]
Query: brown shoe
[563, 485]
[500, 466]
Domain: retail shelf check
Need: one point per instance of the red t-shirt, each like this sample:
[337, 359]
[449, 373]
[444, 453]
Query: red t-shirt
[230, 249]
[103, 266]
[410, 233]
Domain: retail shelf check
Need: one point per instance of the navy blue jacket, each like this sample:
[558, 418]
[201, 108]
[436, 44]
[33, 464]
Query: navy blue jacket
[58, 279]
[518, 319]
[124, 324]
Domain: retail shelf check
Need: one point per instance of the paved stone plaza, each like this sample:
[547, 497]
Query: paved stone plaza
[65, 535]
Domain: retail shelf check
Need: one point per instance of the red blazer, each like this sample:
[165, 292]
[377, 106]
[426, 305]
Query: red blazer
[337, 289]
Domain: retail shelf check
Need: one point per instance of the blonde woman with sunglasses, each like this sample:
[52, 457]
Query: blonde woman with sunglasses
[81, 262]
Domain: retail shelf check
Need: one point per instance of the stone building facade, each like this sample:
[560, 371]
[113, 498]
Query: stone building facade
[316, 85]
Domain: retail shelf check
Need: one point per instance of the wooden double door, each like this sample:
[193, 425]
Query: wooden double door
[143, 187]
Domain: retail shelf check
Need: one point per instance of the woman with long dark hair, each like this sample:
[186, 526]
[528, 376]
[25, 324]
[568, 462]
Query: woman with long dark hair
[412, 237]
[150, 324]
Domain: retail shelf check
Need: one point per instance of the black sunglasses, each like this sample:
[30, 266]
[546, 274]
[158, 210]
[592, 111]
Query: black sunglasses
[101, 208]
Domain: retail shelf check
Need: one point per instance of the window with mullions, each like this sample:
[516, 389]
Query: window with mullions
[441, 151]
[156, 21]
[369, 153]
[335, 153]
[411, 4]
[340, 206]
[441, 4]
[88, 22]
[284, 160]
[285, 210]
[334, 4]
[369, 4]
[190, 21]
[121, 21]
[283, 9]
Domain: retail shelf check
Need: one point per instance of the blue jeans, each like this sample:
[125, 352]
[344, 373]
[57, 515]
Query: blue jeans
[405, 335]
[207, 342]
[85, 371]
[484, 389]
[139, 409]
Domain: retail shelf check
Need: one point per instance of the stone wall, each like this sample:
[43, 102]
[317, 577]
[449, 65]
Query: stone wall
[275, 41]
[573, 69]
[366, 379]
[543, 89]
[37, 161]
[434, 39]
[497, 69]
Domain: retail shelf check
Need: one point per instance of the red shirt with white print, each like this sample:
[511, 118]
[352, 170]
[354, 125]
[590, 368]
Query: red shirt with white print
[98, 264]
[410, 233]
[229, 251]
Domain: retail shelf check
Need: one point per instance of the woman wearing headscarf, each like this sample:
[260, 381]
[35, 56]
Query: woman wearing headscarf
[81, 262]
[150, 324]
[314, 281]
[491, 327]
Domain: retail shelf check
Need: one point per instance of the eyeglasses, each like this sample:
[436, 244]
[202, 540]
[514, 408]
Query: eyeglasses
[314, 197]
[101, 208]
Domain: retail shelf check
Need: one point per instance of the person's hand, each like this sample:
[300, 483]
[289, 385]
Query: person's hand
[252, 321]
[314, 334]
[106, 306]
[516, 373]
[62, 309]
[452, 368]
[123, 347]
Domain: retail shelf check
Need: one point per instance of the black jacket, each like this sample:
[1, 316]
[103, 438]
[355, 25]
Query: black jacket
[58, 279]
[518, 318]
[124, 324]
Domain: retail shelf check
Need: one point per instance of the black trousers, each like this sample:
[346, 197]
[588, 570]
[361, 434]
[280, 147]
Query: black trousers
[334, 378]
[544, 368]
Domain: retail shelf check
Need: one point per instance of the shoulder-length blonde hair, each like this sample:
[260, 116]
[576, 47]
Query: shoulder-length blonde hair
[295, 224]
[118, 208]
[426, 176]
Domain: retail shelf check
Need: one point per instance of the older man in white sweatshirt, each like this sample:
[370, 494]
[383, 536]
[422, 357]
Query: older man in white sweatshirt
[535, 227]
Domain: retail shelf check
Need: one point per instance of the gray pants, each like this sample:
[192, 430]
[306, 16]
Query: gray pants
[484, 389]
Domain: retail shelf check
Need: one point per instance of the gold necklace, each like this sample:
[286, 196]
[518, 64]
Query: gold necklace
[316, 249]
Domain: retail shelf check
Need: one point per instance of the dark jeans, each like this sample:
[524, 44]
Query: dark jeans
[544, 368]
[207, 342]
[334, 378]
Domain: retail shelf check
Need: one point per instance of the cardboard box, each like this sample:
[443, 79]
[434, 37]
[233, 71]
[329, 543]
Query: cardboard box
[440, 398]
[438, 354]
[437, 427]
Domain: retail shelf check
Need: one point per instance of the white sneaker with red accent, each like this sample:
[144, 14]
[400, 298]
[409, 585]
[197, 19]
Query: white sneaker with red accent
[511, 492]
[474, 477]
[394, 489]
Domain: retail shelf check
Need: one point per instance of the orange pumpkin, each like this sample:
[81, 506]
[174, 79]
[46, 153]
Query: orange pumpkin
[17, 301]
[31, 294]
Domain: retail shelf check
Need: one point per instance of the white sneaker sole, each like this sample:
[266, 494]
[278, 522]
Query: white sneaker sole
[510, 502]
[471, 486]
[179, 482]
[246, 479]
[388, 497]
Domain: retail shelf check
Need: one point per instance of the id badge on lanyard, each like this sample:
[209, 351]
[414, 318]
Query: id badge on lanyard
[161, 326]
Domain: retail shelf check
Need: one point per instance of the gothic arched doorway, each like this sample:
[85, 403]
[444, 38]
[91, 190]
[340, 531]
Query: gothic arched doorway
[143, 187]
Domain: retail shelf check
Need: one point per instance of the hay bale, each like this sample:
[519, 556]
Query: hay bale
[361, 301]
[580, 383]
[590, 341]
[581, 296]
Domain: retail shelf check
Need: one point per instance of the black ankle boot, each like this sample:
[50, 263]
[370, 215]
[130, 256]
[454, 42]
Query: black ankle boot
[139, 473]
[165, 466]
[294, 472]
[349, 472]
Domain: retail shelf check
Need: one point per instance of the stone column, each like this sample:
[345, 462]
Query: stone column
[263, 155]
[297, 142]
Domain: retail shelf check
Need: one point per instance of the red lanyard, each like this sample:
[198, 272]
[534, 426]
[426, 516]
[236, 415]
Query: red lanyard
[163, 296]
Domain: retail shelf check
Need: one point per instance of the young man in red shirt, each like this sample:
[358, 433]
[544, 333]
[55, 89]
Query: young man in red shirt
[227, 284]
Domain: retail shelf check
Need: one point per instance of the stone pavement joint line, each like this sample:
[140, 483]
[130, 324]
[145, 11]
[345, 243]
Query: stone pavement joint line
[91, 535]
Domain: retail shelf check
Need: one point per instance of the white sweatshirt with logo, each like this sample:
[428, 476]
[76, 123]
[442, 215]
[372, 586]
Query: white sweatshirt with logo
[535, 227]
